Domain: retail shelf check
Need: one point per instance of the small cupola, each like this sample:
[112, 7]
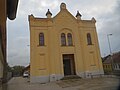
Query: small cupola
[78, 15]
[62, 6]
[48, 14]
[93, 20]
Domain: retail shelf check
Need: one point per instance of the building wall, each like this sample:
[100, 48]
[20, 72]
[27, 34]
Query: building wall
[2, 36]
[3, 17]
[116, 66]
[8, 8]
[47, 61]
[107, 68]
[1, 70]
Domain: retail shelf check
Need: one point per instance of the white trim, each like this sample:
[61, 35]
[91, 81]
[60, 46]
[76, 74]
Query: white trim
[81, 74]
[45, 79]
[39, 79]
[55, 77]
[60, 76]
[88, 74]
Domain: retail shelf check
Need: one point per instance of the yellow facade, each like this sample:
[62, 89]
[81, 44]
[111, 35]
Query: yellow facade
[107, 68]
[50, 61]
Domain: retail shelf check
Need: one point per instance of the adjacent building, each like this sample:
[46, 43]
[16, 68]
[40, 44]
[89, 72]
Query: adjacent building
[63, 45]
[111, 64]
[26, 71]
[8, 9]
[107, 64]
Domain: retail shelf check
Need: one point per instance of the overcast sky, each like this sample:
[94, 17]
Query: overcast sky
[106, 13]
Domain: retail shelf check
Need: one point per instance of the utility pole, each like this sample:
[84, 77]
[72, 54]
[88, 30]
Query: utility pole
[110, 50]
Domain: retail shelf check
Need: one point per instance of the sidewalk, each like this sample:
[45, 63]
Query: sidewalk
[19, 83]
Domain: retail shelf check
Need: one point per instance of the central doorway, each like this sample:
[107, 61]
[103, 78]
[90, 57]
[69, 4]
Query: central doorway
[68, 64]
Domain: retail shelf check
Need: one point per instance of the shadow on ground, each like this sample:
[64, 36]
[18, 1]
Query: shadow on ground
[3, 87]
[91, 84]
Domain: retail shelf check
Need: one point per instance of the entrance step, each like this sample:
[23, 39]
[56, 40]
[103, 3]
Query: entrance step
[71, 77]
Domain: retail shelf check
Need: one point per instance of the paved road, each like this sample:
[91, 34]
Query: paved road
[19, 83]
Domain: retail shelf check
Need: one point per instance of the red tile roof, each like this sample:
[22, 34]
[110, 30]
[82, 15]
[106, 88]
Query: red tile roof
[115, 57]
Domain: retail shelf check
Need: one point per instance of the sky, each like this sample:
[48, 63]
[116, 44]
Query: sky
[106, 13]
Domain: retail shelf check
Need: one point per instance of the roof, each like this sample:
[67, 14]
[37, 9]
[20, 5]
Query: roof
[107, 60]
[27, 68]
[115, 57]
[12, 8]
[63, 9]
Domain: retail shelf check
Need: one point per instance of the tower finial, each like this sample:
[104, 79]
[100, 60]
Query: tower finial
[62, 6]
[93, 20]
[78, 15]
[48, 14]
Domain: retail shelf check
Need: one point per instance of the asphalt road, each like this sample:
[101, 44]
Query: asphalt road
[20, 83]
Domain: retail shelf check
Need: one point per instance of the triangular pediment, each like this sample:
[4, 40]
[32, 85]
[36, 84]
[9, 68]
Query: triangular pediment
[64, 15]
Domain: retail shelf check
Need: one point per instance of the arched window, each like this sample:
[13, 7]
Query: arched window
[41, 39]
[63, 39]
[69, 37]
[89, 40]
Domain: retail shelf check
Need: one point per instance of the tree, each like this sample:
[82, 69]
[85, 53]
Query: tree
[17, 70]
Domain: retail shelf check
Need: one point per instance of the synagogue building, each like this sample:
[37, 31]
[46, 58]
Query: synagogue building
[63, 45]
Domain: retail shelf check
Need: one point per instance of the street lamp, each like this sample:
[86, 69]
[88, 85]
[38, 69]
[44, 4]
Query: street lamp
[109, 43]
[110, 50]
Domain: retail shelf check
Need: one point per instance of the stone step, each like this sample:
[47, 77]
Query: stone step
[71, 77]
